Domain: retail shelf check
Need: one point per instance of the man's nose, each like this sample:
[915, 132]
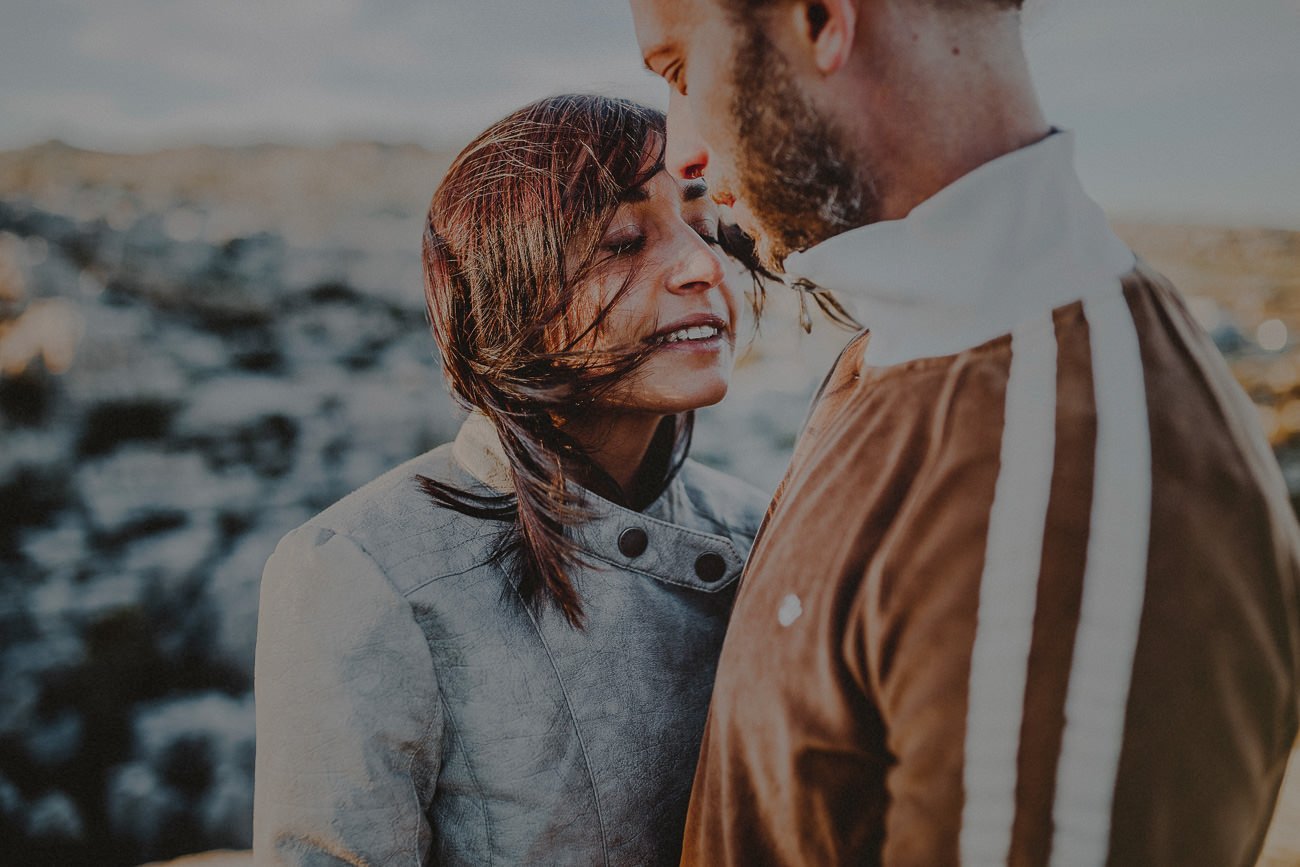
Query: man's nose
[686, 155]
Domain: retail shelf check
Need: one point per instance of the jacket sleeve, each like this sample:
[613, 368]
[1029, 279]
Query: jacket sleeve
[348, 715]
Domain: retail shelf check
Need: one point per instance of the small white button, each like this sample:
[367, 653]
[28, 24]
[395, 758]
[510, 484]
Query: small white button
[790, 610]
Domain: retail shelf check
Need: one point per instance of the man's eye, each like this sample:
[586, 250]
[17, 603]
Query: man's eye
[676, 77]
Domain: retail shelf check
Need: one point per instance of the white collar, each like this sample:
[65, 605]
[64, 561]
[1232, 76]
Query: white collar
[1013, 239]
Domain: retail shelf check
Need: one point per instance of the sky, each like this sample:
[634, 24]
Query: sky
[1183, 109]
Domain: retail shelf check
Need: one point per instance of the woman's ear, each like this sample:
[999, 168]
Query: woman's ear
[826, 28]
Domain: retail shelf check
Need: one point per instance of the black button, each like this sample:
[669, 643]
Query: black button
[710, 567]
[632, 542]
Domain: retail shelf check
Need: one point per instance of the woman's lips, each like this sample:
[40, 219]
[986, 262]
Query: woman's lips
[698, 333]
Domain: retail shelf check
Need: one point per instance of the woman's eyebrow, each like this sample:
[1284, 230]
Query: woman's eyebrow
[634, 195]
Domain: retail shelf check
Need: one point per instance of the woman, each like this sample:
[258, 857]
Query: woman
[502, 651]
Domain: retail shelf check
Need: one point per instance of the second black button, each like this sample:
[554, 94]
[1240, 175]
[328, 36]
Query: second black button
[710, 567]
[632, 542]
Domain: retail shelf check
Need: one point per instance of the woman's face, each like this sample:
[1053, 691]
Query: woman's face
[664, 238]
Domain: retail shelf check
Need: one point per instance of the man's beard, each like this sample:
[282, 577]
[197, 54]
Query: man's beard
[795, 171]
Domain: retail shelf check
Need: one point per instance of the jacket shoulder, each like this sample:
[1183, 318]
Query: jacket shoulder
[396, 523]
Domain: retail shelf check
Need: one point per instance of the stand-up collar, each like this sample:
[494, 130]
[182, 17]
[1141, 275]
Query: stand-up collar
[478, 449]
[671, 540]
[1014, 239]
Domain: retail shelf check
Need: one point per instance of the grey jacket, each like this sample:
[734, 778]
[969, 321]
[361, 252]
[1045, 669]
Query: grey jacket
[410, 711]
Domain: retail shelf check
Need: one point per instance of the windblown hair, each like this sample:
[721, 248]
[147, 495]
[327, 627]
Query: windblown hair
[513, 231]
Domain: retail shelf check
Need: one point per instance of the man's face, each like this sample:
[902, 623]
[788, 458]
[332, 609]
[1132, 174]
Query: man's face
[739, 114]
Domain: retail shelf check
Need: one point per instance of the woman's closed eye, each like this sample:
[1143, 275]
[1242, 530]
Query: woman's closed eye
[631, 240]
[708, 230]
[624, 243]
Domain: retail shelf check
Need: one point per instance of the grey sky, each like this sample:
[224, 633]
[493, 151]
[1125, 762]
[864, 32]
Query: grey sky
[1185, 109]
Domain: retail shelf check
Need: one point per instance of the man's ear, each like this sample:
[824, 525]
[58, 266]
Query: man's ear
[826, 27]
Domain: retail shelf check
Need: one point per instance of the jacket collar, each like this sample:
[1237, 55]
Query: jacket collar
[1013, 239]
[478, 449]
[674, 530]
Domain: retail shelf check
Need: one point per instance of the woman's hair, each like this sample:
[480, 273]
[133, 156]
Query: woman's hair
[513, 231]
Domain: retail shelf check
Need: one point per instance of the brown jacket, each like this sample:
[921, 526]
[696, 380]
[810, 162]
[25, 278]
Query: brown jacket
[1031, 601]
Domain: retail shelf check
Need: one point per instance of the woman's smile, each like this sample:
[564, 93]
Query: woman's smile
[700, 333]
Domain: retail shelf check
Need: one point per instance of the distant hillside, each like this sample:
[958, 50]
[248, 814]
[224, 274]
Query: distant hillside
[200, 348]
[313, 194]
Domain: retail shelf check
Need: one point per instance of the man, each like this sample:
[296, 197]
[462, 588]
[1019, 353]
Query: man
[1028, 593]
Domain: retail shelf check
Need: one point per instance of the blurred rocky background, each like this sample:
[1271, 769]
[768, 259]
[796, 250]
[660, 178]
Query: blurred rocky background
[202, 347]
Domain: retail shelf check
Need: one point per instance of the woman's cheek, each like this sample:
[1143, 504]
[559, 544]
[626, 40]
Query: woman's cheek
[585, 309]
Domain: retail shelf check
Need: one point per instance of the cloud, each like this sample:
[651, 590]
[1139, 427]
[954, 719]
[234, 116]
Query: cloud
[1170, 97]
[136, 73]
[1182, 107]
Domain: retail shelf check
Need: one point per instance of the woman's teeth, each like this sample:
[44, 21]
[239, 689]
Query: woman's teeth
[696, 332]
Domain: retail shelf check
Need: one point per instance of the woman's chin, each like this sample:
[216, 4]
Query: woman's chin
[671, 399]
[689, 377]
[701, 404]
[700, 395]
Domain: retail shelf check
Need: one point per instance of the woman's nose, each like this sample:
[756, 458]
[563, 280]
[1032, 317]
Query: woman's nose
[696, 266]
[686, 155]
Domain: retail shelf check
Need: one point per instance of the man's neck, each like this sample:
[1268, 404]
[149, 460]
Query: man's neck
[957, 95]
[1010, 241]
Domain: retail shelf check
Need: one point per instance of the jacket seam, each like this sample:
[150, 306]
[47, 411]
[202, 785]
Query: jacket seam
[852, 345]
[469, 769]
[669, 580]
[426, 582]
[420, 750]
[464, 543]
[442, 700]
[577, 728]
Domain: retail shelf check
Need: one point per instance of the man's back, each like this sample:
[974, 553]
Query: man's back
[870, 707]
